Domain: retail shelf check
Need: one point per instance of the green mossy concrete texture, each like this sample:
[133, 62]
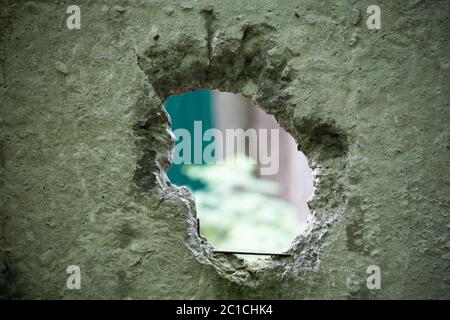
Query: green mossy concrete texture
[85, 145]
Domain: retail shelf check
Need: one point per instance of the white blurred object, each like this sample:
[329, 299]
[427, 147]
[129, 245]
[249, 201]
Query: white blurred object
[295, 177]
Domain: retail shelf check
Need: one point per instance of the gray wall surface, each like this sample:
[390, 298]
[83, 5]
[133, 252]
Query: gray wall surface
[85, 142]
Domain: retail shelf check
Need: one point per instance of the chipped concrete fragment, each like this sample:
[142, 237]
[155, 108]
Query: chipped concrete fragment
[355, 16]
[249, 89]
[83, 161]
[354, 39]
[169, 10]
[186, 6]
[119, 9]
[61, 67]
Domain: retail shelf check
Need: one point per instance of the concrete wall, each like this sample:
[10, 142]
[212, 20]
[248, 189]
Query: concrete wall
[84, 145]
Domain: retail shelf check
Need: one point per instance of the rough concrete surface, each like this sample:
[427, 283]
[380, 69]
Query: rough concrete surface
[85, 143]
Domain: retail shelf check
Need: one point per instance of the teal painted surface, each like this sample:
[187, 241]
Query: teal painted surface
[184, 110]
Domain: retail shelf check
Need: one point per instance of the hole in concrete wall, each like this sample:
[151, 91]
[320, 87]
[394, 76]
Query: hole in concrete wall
[251, 184]
[261, 69]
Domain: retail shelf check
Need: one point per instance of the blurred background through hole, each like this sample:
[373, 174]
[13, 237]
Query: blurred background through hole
[240, 209]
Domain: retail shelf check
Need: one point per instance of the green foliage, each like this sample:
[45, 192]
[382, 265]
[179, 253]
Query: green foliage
[239, 211]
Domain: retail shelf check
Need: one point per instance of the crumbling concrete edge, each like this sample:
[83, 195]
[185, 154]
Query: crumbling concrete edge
[268, 83]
